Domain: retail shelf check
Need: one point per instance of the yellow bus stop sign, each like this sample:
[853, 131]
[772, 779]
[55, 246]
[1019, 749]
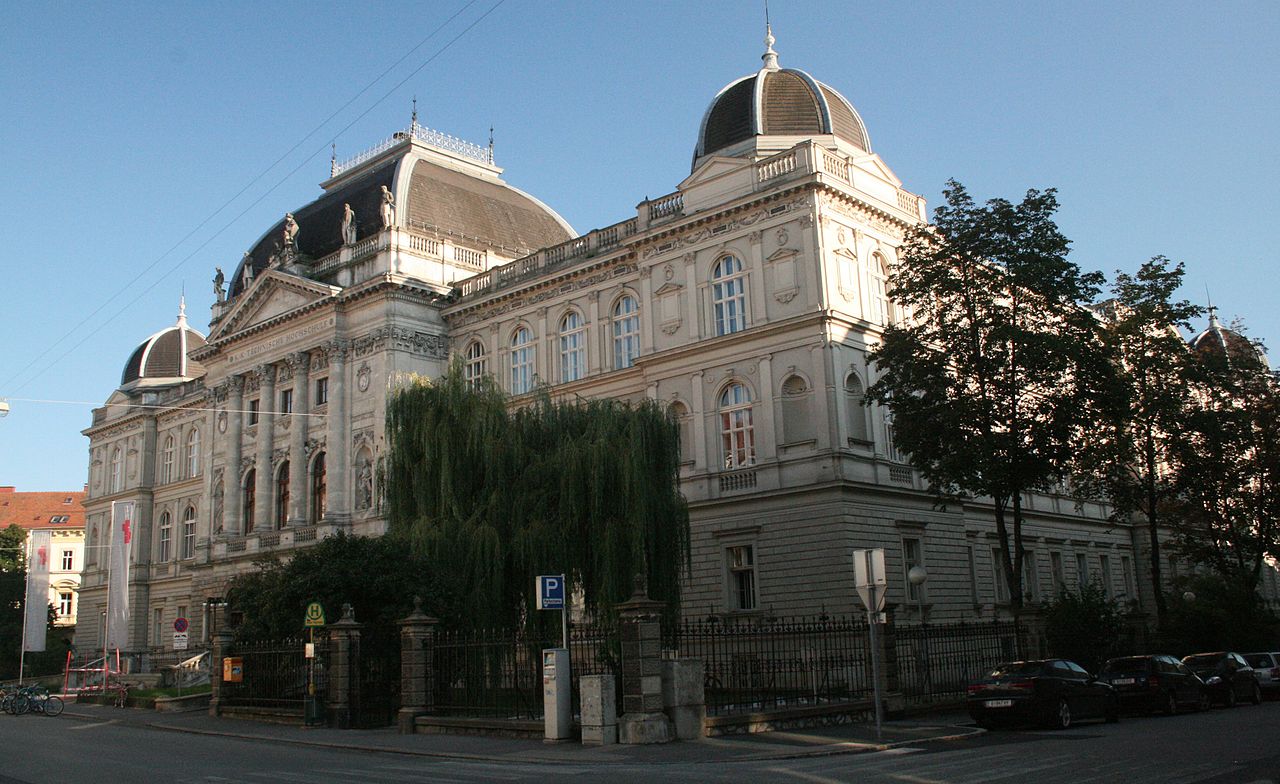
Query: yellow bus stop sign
[315, 615]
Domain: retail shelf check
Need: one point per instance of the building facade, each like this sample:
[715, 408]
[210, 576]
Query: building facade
[62, 514]
[745, 301]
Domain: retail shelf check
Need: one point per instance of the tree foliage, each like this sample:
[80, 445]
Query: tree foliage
[1130, 454]
[377, 576]
[13, 586]
[493, 497]
[995, 374]
[1083, 626]
[1220, 614]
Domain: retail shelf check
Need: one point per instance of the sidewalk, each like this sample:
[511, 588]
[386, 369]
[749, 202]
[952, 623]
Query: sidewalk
[844, 739]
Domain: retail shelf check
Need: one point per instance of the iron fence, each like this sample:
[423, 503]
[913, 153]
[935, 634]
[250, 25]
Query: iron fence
[374, 675]
[756, 665]
[935, 662]
[274, 674]
[497, 673]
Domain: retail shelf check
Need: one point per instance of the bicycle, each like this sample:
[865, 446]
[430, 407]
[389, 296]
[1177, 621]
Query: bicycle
[36, 699]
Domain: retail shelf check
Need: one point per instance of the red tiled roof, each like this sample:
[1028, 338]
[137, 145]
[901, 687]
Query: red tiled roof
[40, 510]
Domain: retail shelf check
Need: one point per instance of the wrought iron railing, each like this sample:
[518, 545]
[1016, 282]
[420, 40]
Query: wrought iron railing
[274, 674]
[935, 662]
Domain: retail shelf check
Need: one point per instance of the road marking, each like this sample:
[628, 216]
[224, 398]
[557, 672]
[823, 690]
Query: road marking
[95, 724]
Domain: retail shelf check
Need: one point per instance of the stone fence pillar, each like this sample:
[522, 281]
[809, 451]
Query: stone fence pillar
[221, 647]
[417, 660]
[642, 720]
[344, 647]
[599, 710]
[684, 696]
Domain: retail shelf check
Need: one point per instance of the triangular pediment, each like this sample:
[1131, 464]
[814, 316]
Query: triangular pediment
[843, 251]
[782, 253]
[712, 168]
[667, 288]
[272, 295]
[875, 165]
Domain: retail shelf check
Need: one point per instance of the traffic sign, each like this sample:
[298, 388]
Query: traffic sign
[550, 589]
[869, 577]
[315, 615]
[179, 641]
[180, 624]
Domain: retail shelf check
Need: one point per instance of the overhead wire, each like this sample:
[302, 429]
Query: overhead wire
[109, 300]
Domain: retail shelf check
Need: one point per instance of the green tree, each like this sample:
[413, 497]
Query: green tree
[996, 373]
[13, 577]
[1083, 626]
[1208, 612]
[1130, 456]
[1226, 462]
[493, 497]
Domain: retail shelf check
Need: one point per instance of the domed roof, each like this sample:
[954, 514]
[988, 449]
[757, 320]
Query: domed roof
[777, 101]
[162, 358]
[1221, 346]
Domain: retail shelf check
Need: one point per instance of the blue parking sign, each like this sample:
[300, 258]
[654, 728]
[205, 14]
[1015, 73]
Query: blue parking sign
[550, 591]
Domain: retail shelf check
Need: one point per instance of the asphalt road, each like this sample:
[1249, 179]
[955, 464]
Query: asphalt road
[1241, 745]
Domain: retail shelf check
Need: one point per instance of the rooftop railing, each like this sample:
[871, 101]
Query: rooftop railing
[423, 134]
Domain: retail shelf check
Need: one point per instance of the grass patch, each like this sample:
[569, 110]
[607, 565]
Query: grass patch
[171, 691]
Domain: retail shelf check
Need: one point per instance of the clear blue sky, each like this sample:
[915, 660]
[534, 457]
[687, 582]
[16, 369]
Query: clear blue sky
[128, 126]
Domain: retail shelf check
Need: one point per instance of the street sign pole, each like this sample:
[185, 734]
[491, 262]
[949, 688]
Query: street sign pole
[875, 665]
[870, 579]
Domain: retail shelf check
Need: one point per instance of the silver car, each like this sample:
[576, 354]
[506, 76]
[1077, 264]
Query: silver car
[1267, 667]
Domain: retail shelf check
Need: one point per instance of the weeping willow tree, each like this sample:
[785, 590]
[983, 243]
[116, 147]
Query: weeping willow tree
[493, 497]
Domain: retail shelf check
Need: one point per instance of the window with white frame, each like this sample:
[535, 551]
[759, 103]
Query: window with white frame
[157, 627]
[117, 471]
[740, 561]
[1000, 584]
[1030, 576]
[973, 574]
[573, 347]
[626, 332]
[737, 434]
[729, 295]
[912, 555]
[166, 536]
[522, 361]
[879, 301]
[167, 456]
[189, 533]
[1059, 575]
[68, 560]
[64, 604]
[1126, 575]
[1105, 574]
[322, 391]
[286, 401]
[474, 364]
[193, 452]
[1082, 570]
[855, 403]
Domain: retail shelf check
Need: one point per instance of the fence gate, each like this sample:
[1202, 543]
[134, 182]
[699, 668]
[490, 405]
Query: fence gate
[375, 679]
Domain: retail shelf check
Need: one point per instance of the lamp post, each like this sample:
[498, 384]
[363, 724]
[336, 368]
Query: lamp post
[1189, 596]
[917, 576]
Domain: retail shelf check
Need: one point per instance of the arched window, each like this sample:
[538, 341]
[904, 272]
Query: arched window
[282, 495]
[881, 312]
[521, 361]
[728, 295]
[679, 413]
[166, 461]
[193, 452]
[319, 489]
[797, 424]
[573, 347]
[166, 537]
[475, 364]
[189, 533]
[737, 434]
[856, 409]
[248, 497]
[626, 332]
[117, 471]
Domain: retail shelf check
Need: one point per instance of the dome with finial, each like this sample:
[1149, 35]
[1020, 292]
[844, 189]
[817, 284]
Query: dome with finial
[162, 359]
[1219, 345]
[776, 101]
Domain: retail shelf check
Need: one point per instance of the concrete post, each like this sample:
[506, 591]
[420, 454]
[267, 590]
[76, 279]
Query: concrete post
[417, 659]
[684, 696]
[221, 647]
[642, 720]
[344, 647]
[599, 710]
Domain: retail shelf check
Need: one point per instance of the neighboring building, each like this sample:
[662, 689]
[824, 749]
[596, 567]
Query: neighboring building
[62, 513]
[746, 301]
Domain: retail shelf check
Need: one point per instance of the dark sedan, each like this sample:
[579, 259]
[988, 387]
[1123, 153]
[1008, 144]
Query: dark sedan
[1055, 692]
[1148, 683]
[1227, 675]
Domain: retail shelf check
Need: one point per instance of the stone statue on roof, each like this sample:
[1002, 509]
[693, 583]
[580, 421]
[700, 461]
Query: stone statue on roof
[218, 280]
[247, 263]
[348, 225]
[290, 232]
[388, 208]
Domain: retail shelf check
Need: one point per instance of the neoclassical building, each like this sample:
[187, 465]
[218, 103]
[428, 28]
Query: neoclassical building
[745, 301]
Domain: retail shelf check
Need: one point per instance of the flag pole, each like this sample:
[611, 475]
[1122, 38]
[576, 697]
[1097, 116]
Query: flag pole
[26, 598]
[106, 615]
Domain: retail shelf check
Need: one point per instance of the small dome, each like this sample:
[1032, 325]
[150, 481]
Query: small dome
[162, 358]
[1221, 346]
[777, 102]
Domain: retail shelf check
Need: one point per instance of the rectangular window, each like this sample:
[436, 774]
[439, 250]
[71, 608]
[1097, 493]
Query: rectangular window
[973, 575]
[911, 556]
[188, 538]
[741, 561]
[1106, 575]
[1126, 574]
[322, 391]
[286, 401]
[1082, 570]
[1030, 577]
[157, 627]
[253, 412]
[68, 560]
[64, 604]
[998, 577]
[1059, 576]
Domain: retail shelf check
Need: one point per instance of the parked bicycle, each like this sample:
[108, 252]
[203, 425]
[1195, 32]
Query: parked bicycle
[34, 699]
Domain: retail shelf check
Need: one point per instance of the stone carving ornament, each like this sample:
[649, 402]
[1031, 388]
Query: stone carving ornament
[348, 225]
[388, 208]
[362, 377]
[222, 421]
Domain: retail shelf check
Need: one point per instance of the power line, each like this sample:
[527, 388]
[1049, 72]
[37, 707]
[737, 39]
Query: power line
[259, 412]
[109, 300]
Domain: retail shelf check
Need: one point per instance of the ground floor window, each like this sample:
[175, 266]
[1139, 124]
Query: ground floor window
[64, 604]
[741, 562]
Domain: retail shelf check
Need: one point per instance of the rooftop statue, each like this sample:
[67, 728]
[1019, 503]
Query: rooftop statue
[218, 280]
[388, 208]
[348, 225]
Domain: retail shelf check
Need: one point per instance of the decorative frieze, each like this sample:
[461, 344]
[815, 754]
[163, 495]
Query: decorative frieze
[704, 233]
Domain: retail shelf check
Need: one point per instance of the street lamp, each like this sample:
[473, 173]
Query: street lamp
[917, 576]
[1189, 596]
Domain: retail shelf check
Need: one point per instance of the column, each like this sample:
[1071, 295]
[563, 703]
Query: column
[233, 523]
[221, 647]
[337, 463]
[264, 513]
[544, 355]
[297, 365]
[758, 307]
[696, 397]
[344, 647]
[600, 350]
[694, 290]
[766, 433]
[642, 720]
[821, 410]
[417, 665]
[648, 313]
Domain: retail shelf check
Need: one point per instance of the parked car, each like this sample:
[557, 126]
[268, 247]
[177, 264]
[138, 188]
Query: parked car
[1227, 675]
[1149, 683]
[1267, 667]
[1055, 692]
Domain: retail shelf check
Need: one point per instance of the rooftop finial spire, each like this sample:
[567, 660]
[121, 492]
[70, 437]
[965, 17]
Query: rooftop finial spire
[490, 144]
[770, 57]
[413, 122]
[1213, 309]
[333, 159]
[182, 308]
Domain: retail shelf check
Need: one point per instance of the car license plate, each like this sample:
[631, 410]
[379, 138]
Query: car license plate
[998, 704]
[1122, 682]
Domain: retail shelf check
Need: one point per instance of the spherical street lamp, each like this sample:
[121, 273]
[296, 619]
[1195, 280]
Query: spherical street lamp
[1189, 596]
[917, 576]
